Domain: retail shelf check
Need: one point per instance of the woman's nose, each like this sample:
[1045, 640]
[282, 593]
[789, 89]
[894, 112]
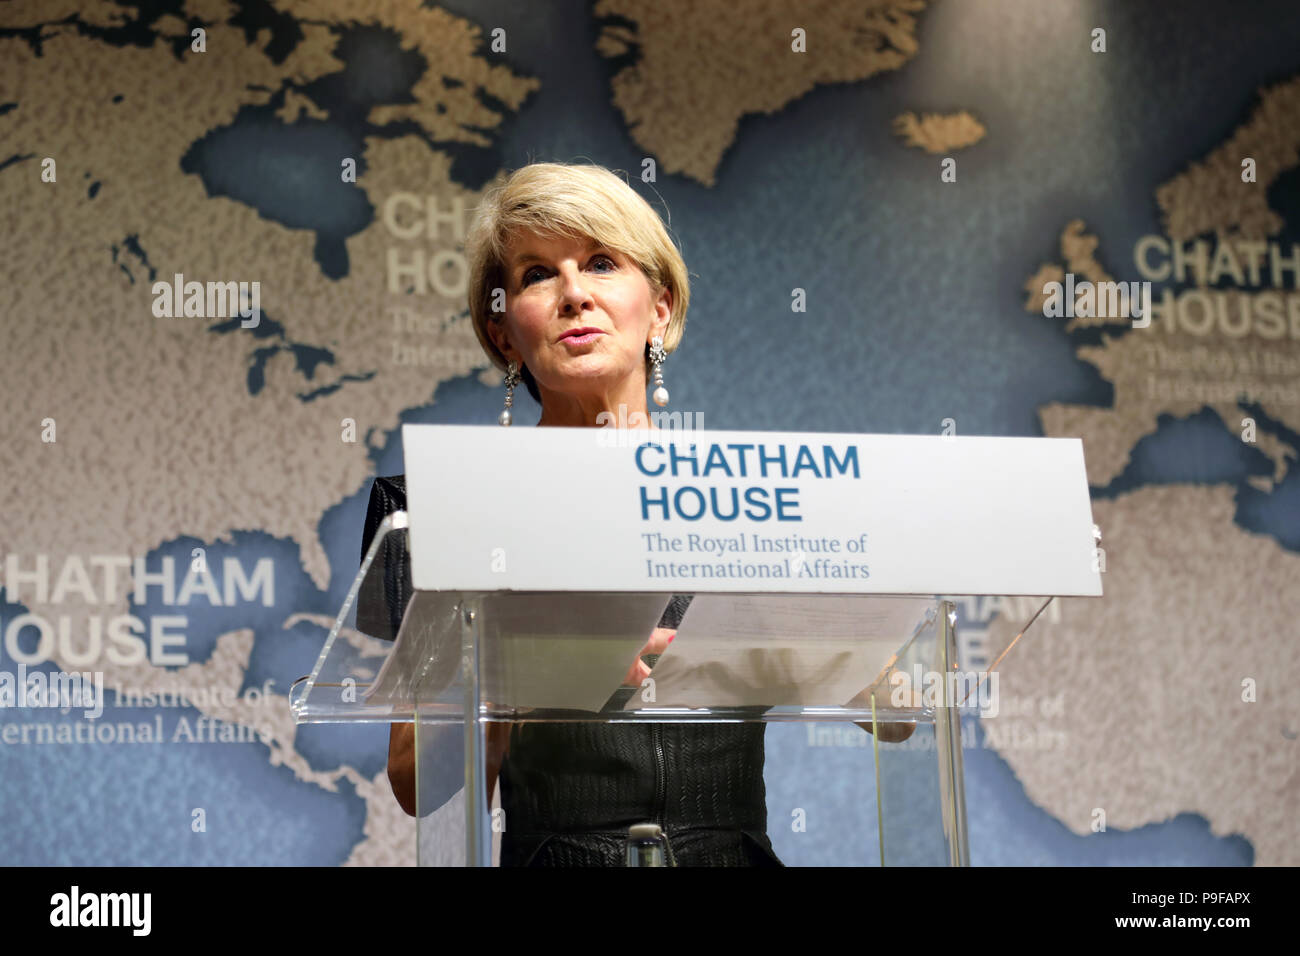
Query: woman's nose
[573, 290]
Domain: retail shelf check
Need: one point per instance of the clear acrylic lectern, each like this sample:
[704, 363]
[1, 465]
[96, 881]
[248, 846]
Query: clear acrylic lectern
[454, 663]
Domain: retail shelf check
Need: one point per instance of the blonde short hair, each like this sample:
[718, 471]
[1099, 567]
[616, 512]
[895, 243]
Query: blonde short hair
[559, 200]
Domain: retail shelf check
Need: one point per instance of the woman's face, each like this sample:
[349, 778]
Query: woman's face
[557, 285]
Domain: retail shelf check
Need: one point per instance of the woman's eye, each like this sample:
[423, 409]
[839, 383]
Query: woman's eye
[602, 263]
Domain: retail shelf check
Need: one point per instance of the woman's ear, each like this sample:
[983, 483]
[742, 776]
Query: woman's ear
[496, 331]
[663, 313]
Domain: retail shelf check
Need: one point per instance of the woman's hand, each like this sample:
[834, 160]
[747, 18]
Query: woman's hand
[660, 638]
[401, 759]
[401, 764]
[891, 733]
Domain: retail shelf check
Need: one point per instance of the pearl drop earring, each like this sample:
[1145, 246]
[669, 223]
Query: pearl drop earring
[512, 379]
[657, 356]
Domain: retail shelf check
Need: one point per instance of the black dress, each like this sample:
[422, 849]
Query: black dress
[570, 790]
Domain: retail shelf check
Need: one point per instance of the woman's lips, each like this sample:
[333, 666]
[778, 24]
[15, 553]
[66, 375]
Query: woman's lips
[581, 339]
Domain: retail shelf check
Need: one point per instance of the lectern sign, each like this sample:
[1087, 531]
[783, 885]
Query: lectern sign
[599, 509]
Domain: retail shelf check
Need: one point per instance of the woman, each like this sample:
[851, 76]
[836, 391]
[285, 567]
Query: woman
[577, 290]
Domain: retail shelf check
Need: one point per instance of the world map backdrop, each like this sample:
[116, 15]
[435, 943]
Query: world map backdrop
[921, 171]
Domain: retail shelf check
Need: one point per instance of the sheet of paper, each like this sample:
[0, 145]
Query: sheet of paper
[781, 650]
[538, 650]
[567, 651]
[427, 652]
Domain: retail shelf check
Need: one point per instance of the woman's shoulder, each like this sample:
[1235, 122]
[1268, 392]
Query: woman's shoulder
[387, 494]
[676, 610]
[394, 485]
